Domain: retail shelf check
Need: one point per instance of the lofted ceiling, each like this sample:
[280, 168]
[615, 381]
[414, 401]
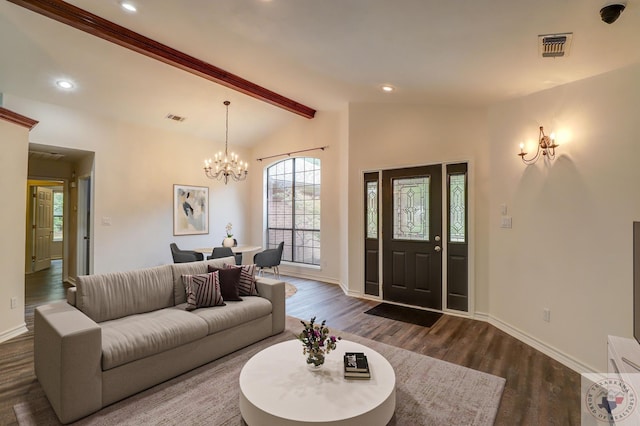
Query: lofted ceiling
[323, 54]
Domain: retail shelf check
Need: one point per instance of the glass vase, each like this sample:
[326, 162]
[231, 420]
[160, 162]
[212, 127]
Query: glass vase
[315, 359]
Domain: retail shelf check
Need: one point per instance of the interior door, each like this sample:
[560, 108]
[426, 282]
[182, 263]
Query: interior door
[43, 227]
[84, 226]
[412, 236]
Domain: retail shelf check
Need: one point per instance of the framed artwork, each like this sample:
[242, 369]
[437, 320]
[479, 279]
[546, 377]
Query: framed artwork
[190, 210]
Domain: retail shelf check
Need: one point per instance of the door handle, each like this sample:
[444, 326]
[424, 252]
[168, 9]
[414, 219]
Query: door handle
[437, 238]
[438, 249]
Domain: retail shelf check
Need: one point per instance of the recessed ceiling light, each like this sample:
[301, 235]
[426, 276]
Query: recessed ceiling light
[129, 7]
[387, 88]
[64, 84]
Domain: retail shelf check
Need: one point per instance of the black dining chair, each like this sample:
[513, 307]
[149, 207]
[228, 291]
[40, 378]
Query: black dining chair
[184, 256]
[219, 252]
[269, 258]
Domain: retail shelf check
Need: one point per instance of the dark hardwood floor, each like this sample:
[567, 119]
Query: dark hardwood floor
[539, 390]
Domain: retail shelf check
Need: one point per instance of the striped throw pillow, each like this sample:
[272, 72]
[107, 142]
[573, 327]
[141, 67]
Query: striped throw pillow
[203, 290]
[247, 286]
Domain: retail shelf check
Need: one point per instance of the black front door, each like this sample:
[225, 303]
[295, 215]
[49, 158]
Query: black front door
[412, 236]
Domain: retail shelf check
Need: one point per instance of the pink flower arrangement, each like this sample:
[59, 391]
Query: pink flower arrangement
[316, 341]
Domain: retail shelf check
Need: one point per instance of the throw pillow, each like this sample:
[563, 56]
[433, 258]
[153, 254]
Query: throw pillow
[247, 279]
[229, 282]
[203, 290]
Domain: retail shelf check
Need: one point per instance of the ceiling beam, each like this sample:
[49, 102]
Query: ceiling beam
[107, 30]
[14, 117]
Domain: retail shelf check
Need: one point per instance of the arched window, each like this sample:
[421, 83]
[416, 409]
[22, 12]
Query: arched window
[293, 209]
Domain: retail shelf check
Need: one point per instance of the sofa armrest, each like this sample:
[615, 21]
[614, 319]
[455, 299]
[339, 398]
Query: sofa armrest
[71, 296]
[67, 356]
[273, 290]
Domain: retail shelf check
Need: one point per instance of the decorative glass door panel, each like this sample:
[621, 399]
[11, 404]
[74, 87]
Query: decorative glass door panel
[372, 209]
[411, 208]
[457, 208]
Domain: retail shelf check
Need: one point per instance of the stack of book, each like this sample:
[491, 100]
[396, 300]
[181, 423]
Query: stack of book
[356, 366]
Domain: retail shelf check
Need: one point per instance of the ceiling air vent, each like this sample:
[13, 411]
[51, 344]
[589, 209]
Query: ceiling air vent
[176, 117]
[554, 45]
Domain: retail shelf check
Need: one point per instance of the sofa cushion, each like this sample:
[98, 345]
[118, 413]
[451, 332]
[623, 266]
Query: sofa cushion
[191, 268]
[138, 336]
[203, 290]
[229, 282]
[234, 313]
[247, 279]
[118, 294]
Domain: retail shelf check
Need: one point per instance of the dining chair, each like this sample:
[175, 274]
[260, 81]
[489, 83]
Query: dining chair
[219, 252]
[269, 258]
[184, 256]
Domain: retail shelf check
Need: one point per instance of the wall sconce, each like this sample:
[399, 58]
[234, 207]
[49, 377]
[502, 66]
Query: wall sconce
[546, 145]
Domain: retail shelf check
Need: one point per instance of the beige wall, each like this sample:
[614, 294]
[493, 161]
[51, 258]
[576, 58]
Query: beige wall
[570, 249]
[327, 128]
[13, 178]
[387, 136]
[135, 170]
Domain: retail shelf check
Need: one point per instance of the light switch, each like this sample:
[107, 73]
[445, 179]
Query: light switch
[503, 209]
[106, 220]
[505, 222]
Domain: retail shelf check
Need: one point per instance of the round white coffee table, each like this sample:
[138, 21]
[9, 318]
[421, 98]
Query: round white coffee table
[277, 388]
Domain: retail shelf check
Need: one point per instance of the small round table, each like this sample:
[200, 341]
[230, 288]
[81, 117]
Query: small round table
[278, 388]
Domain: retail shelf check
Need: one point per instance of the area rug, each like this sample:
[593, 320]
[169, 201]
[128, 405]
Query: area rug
[428, 392]
[289, 289]
[405, 314]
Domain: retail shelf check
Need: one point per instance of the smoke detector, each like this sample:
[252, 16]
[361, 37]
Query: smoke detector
[554, 45]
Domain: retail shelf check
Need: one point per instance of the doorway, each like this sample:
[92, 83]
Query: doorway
[412, 234]
[45, 237]
[422, 244]
[62, 170]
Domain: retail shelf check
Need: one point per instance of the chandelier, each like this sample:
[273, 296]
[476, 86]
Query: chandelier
[546, 145]
[225, 166]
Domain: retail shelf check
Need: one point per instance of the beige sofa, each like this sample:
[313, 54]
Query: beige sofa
[121, 333]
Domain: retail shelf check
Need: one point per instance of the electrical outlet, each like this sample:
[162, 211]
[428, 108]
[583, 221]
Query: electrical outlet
[546, 314]
[14, 302]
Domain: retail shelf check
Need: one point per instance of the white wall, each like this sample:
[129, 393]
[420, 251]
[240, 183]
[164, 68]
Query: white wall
[386, 136]
[13, 181]
[570, 249]
[135, 170]
[327, 128]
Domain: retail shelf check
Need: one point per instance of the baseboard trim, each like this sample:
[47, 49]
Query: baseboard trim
[537, 344]
[298, 274]
[14, 332]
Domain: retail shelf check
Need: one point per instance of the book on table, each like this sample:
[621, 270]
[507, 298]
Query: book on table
[356, 366]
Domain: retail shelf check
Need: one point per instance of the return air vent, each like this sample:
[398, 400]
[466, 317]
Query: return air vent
[176, 117]
[554, 45]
